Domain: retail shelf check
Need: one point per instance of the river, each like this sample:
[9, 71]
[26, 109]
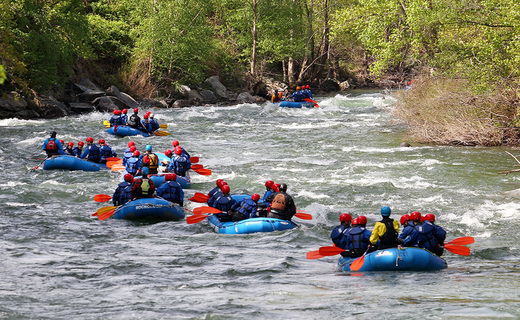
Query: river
[60, 262]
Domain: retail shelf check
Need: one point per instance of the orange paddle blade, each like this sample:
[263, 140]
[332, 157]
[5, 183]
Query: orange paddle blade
[311, 255]
[161, 133]
[106, 209]
[199, 200]
[304, 216]
[196, 218]
[460, 250]
[106, 215]
[330, 251]
[194, 159]
[204, 210]
[204, 172]
[113, 159]
[358, 263]
[197, 166]
[314, 101]
[462, 241]
[102, 197]
[118, 167]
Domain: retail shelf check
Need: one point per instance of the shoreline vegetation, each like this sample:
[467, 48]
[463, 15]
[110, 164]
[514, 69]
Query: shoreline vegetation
[464, 57]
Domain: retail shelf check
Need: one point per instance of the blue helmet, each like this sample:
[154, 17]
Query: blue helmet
[385, 211]
[148, 147]
[145, 171]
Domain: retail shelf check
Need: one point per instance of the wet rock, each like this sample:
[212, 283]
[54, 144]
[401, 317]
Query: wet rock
[183, 103]
[81, 107]
[208, 96]
[217, 87]
[245, 97]
[405, 145]
[124, 97]
[106, 104]
[49, 107]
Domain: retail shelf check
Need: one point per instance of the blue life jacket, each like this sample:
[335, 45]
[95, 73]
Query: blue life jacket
[126, 155]
[116, 120]
[92, 153]
[133, 165]
[247, 208]
[426, 239]
[124, 119]
[213, 198]
[338, 237]
[171, 191]
[297, 96]
[358, 240]
[267, 194]
[224, 203]
[106, 152]
[154, 125]
[123, 193]
[181, 165]
[213, 191]
[76, 152]
[69, 152]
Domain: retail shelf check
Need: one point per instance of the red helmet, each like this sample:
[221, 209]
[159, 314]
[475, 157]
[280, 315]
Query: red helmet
[355, 221]
[276, 187]
[129, 178]
[219, 182]
[415, 216]
[362, 220]
[168, 152]
[269, 183]
[175, 143]
[136, 110]
[405, 218]
[345, 217]
[223, 183]
[125, 111]
[429, 217]
[101, 141]
[255, 197]
[133, 148]
[146, 116]
[225, 189]
[178, 150]
[70, 144]
[171, 177]
[90, 139]
[62, 141]
[136, 153]
[81, 143]
[148, 113]
[130, 143]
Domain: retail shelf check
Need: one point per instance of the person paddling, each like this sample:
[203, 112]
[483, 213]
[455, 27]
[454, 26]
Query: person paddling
[282, 205]
[171, 190]
[144, 186]
[123, 192]
[337, 234]
[385, 231]
[52, 146]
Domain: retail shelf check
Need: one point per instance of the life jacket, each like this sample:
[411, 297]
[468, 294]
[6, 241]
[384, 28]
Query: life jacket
[358, 242]
[278, 202]
[224, 203]
[134, 120]
[153, 163]
[297, 96]
[70, 152]
[181, 165]
[93, 153]
[170, 192]
[123, 193]
[115, 120]
[427, 238]
[76, 152]
[267, 194]
[51, 145]
[338, 236]
[133, 165]
[106, 152]
[146, 188]
[276, 98]
[247, 208]
[389, 239]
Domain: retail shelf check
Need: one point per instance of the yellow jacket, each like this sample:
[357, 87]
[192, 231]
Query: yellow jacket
[380, 229]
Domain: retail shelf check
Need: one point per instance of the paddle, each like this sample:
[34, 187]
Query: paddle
[462, 241]
[163, 126]
[330, 251]
[204, 172]
[106, 123]
[197, 166]
[113, 159]
[102, 198]
[196, 218]
[314, 101]
[311, 255]
[460, 250]
[194, 159]
[161, 133]
[110, 164]
[199, 197]
[105, 209]
[205, 209]
[118, 168]
[358, 263]
[106, 215]
[39, 164]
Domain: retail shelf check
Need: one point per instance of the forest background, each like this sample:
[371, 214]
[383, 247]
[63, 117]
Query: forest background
[462, 56]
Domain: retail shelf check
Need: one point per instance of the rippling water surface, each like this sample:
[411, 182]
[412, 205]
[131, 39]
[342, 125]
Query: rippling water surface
[59, 262]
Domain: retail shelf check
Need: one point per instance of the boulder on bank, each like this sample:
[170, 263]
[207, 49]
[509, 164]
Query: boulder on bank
[49, 107]
[208, 96]
[245, 97]
[217, 87]
[108, 104]
[124, 97]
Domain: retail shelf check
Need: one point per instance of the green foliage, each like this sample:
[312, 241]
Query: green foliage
[3, 76]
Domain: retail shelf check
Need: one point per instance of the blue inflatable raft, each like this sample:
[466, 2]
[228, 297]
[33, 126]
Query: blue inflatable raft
[250, 225]
[71, 163]
[150, 208]
[394, 259]
[292, 104]
[124, 131]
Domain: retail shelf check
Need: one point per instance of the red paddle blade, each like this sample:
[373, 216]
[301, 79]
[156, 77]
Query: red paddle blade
[197, 166]
[357, 264]
[194, 159]
[303, 216]
[198, 199]
[204, 172]
[330, 251]
[311, 255]
[462, 241]
[113, 159]
[106, 215]
[196, 218]
[105, 209]
[102, 197]
[460, 250]
[204, 210]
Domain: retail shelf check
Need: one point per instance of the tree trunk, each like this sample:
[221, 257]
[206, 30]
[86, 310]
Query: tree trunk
[255, 39]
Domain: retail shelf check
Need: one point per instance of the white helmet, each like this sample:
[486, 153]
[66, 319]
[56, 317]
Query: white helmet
[151, 115]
